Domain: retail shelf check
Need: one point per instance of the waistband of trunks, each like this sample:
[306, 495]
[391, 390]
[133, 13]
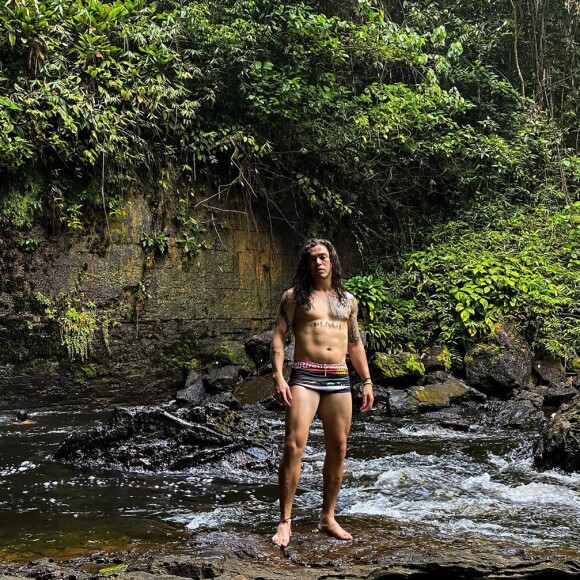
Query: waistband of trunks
[312, 366]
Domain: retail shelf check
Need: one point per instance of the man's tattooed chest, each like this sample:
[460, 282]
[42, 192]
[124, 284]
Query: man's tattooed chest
[337, 309]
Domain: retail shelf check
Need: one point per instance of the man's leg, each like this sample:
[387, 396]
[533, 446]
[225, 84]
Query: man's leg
[335, 412]
[299, 416]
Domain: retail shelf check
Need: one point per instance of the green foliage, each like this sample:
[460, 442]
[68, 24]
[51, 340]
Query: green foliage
[190, 231]
[526, 268]
[29, 243]
[77, 320]
[356, 116]
[158, 242]
[370, 292]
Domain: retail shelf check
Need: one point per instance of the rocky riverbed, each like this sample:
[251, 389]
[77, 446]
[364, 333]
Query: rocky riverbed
[380, 553]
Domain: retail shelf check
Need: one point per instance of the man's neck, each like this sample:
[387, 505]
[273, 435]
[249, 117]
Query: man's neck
[322, 286]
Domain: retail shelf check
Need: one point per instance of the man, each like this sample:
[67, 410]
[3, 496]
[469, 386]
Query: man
[323, 317]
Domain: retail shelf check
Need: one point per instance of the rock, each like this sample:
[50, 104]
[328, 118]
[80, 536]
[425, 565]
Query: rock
[397, 370]
[459, 425]
[222, 379]
[153, 439]
[434, 377]
[21, 415]
[427, 398]
[231, 352]
[436, 358]
[559, 444]
[549, 372]
[523, 411]
[258, 347]
[256, 390]
[380, 392]
[194, 391]
[556, 395]
[396, 555]
[500, 364]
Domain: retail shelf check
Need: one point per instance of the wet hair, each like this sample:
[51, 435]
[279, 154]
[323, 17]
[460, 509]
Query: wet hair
[303, 283]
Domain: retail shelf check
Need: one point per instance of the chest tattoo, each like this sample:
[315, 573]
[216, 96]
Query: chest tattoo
[328, 324]
[337, 309]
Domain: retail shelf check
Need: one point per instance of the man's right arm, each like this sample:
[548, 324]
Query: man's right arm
[282, 331]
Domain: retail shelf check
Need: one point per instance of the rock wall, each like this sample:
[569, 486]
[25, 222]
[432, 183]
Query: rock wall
[157, 314]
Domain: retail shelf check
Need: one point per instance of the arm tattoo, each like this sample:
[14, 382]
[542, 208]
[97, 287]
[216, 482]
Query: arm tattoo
[353, 331]
[282, 316]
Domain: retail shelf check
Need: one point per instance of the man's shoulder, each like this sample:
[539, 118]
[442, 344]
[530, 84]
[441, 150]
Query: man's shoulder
[350, 297]
[288, 295]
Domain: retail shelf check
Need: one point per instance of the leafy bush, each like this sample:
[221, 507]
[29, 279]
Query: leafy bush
[358, 118]
[526, 268]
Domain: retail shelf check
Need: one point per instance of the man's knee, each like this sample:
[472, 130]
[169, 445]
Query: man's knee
[336, 448]
[294, 447]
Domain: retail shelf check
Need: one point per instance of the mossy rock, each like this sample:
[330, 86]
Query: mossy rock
[231, 352]
[436, 358]
[573, 365]
[501, 363]
[397, 369]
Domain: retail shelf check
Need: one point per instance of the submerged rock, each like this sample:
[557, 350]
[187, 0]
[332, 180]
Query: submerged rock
[153, 439]
[559, 444]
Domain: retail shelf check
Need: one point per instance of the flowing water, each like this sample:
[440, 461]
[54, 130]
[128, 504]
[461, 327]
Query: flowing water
[403, 472]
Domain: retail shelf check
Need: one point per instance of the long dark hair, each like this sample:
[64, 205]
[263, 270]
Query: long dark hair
[303, 282]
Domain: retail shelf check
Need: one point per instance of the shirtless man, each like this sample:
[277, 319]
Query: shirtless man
[323, 317]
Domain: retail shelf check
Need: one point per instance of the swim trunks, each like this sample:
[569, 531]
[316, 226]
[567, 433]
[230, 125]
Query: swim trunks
[326, 378]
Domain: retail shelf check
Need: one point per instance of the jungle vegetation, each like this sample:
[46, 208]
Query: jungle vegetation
[443, 135]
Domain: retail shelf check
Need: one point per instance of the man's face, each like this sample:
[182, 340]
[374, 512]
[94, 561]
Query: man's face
[320, 266]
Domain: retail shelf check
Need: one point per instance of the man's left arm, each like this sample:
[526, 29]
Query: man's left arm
[358, 357]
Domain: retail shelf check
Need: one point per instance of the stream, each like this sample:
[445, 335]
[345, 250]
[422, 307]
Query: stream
[408, 473]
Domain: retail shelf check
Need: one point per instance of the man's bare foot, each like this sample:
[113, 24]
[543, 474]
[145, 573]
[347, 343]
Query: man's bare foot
[332, 528]
[282, 536]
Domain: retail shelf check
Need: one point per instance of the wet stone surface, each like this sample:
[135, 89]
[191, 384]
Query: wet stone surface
[380, 553]
[157, 438]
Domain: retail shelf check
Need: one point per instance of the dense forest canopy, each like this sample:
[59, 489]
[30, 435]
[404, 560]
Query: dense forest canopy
[421, 126]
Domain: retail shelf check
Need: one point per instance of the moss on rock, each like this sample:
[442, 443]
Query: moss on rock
[233, 353]
[398, 368]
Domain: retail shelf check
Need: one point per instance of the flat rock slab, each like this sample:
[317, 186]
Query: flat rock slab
[375, 553]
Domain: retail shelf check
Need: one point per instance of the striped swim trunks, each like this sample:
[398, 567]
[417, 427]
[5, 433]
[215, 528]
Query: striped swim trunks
[326, 378]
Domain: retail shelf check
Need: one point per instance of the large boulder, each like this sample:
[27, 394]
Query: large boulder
[523, 411]
[155, 439]
[501, 363]
[559, 444]
[258, 347]
[401, 369]
[214, 387]
[232, 352]
[221, 380]
[431, 397]
[436, 358]
[549, 372]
